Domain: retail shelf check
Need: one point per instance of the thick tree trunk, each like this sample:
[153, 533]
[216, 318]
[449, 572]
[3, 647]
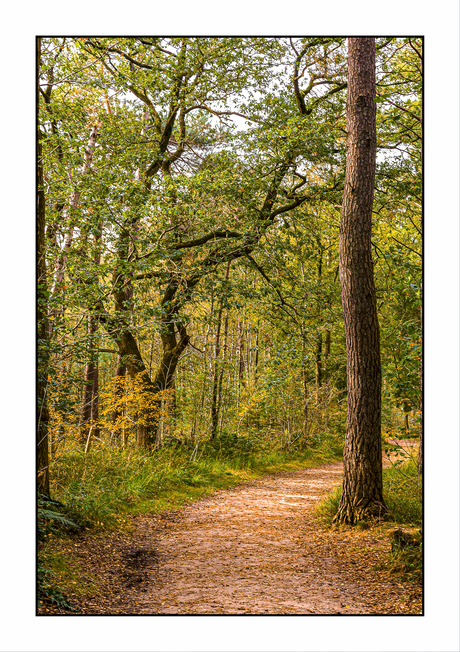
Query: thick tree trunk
[173, 347]
[420, 450]
[43, 478]
[362, 484]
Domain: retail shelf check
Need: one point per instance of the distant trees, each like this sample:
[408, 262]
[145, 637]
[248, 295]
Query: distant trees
[189, 193]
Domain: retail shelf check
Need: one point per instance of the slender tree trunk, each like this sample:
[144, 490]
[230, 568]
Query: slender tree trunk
[327, 352]
[117, 413]
[362, 495]
[90, 407]
[241, 365]
[215, 383]
[89, 381]
[95, 402]
[215, 386]
[74, 199]
[256, 357]
[221, 374]
[43, 477]
[306, 416]
[319, 334]
[319, 361]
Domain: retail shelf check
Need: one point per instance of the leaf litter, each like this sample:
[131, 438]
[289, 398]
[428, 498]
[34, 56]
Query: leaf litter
[257, 548]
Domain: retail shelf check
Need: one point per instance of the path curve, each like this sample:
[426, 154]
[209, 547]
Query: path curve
[259, 549]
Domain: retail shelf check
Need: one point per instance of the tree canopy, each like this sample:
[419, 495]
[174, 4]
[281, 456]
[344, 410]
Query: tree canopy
[189, 204]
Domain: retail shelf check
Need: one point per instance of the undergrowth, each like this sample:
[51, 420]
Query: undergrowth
[403, 496]
[102, 488]
[99, 488]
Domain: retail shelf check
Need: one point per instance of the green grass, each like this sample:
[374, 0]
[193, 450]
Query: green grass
[403, 496]
[100, 488]
[401, 492]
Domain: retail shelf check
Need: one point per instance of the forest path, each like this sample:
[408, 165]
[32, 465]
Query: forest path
[240, 551]
[259, 549]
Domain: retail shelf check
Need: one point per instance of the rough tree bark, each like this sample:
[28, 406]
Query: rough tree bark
[43, 479]
[420, 448]
[362, 495]
[174, 339]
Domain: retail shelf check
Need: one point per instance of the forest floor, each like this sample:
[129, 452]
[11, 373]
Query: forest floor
[258, 548]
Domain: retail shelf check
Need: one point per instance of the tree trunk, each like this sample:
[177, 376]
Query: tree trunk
[420, 450]
[241, 365]
[305, 401]
[215, 384]
[173, 347]
[90, 409]
[327, 351]
[117, 413]
[319, 334]
[362, 495]
[215, 387]
[74, 200]
[319, 363]
[91, 378]
[221, 375]
[42, 416]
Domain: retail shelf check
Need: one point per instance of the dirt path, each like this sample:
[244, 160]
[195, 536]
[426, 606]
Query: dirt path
[257, 548]
[240, 551]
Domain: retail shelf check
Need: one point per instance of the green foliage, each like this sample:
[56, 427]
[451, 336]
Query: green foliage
[214, 151]
[50, 521]
[403, 496]
[99, 488]
[46, 589]
[401, 491]
[408, 559]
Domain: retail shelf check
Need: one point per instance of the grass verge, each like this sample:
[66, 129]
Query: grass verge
[101, 489]
[403, 496]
